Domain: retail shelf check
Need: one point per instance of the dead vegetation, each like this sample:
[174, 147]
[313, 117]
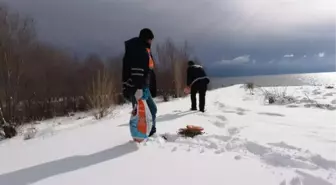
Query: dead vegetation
[277, 95]
[250, 87]
[171, 67]
[314, 103]
[39, 81]
[101, 94]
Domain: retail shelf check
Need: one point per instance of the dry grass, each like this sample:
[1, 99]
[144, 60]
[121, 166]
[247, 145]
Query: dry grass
[314, 103]
[277, 95]
[172, 67]
[33, 89]
[249, 86]
[101, 95]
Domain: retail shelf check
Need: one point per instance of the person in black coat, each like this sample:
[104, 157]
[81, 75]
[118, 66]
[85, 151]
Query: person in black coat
[197, 82]
[138, 76]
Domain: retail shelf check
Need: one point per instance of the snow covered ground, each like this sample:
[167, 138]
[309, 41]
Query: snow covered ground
[247, 142]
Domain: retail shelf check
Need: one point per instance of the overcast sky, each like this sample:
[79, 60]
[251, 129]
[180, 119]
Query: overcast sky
[230, 36]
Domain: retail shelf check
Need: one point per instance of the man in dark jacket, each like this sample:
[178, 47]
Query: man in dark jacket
[197, 82]
[138, 75]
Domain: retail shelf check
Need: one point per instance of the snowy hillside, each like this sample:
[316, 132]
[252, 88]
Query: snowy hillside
[247, 142]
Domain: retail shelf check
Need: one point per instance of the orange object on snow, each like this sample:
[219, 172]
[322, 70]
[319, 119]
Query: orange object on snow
[191, 131]
[196, 128]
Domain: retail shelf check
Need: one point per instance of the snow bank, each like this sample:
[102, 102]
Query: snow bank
[247, 141]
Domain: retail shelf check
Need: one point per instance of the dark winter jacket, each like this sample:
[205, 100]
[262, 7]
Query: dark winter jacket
[136, 73]
[196, 74]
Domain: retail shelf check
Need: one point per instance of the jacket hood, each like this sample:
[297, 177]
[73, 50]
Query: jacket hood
[136, 42]
[132, 42]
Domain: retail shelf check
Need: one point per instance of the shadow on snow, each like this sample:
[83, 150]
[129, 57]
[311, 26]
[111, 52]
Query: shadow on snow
[36, 173]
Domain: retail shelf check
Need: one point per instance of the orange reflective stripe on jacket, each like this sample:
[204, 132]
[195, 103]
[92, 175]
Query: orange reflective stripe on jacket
[151, 61]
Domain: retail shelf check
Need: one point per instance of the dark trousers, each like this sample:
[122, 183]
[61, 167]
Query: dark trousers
[201, 89]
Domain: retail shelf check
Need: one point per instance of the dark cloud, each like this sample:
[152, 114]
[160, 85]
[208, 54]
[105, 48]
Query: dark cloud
[217, 30]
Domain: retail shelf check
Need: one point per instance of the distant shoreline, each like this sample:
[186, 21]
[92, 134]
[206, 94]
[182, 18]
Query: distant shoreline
[260, 75]
[297, 79]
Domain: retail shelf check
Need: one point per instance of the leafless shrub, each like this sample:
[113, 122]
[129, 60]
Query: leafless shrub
[249, 86]
[114, 68]
[101, 94]
[2, 135]
[39, 81]
[30, 132]
[8, 130]
[171, 68]
[2, 118]
[277, 96]
[16, 36]
[314, 103]
[165, 96]
[2, 123]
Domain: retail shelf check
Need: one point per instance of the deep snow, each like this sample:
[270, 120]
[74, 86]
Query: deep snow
[247, 142]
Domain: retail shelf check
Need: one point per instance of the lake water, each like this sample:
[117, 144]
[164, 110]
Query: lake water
[278, 80]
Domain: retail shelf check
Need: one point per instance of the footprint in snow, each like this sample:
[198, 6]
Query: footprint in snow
[237, 157]
[221, 117]
[220, 151]
[292, 106]
[333, 102]
[271, 114]
[316, 92]
[219, 124]
[233, 131]
[329, 94]
[284, 146]
[283, 182]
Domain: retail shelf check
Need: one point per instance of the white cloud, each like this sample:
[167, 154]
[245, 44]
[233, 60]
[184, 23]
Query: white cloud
[310, 59]
[321, 55]
[259, 23]
[241, 59]
[285, 16]
[289, 55]
[238, 60]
